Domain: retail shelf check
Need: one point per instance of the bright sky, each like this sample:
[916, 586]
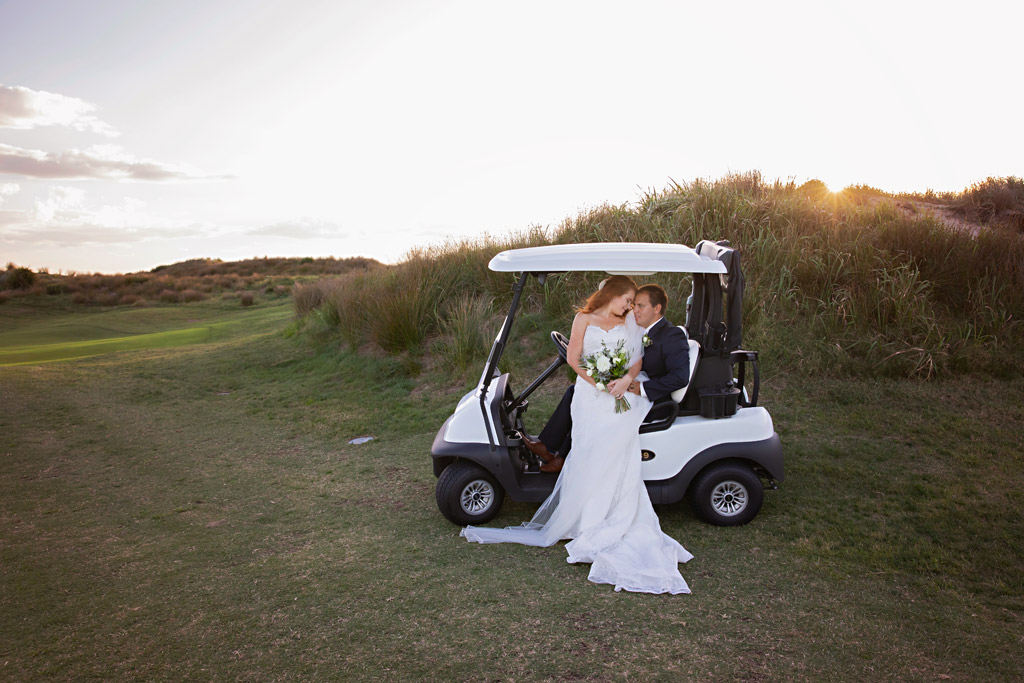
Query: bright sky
[139, 133]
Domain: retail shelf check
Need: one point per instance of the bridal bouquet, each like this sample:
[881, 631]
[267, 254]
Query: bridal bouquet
[607, 365]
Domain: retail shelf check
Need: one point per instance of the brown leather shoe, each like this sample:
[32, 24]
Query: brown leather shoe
[553, 466]
[537, 447]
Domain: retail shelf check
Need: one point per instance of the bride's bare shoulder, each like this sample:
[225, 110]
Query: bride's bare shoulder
[581, 320]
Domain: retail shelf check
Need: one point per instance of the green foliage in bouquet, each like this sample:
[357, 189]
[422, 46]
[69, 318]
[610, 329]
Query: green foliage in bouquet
[607, 365]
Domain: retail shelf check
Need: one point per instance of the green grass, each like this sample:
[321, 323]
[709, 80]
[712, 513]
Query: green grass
[83, 334]
[195, 512]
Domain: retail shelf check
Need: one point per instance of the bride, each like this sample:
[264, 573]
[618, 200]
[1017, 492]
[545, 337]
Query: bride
[600, 501]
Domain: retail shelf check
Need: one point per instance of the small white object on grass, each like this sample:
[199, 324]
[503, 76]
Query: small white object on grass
[361, 439]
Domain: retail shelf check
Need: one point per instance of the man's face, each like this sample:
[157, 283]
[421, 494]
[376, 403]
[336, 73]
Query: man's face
[645, 314]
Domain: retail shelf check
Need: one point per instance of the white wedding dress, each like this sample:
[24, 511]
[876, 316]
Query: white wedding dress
[600, 501]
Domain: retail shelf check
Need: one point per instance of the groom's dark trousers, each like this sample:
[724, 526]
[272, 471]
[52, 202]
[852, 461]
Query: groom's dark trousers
[667, 364]
[557, 433]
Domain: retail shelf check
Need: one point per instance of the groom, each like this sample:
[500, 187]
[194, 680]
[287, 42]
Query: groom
[666, 362]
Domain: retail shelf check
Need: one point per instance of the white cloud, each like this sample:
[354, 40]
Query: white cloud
[108, 162]
[6, 190]
[83, 235]
[303, 228]
[59, 201]
[23, 108]
[64, 220]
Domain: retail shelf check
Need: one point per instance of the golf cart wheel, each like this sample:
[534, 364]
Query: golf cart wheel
[468, 494]
[727, 495]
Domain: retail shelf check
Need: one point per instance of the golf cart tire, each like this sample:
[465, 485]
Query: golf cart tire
[728, 494]
[468, 494]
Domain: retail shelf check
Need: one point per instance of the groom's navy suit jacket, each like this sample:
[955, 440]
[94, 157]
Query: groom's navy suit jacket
[667, 364]
[666, 361]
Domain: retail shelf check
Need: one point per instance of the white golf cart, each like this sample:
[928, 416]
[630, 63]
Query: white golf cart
[710, 440]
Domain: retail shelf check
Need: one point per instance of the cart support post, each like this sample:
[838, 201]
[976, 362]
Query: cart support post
[496, 352]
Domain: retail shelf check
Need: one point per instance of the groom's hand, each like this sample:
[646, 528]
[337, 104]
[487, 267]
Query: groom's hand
[634, 388]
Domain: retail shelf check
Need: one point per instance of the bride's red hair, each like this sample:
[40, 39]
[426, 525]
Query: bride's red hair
[615, 286]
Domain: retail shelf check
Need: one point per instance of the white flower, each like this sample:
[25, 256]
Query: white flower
[600, 387]
[603, 364]
[590, 373]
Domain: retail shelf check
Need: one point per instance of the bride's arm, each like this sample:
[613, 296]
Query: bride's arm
[575, 350]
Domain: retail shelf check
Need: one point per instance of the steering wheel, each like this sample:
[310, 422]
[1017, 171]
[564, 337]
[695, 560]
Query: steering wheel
[561, 345]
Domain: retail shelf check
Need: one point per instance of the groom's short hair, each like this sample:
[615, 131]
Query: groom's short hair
[656, 295]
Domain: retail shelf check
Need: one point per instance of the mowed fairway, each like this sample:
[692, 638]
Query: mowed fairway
[53, 337]
[191, 510]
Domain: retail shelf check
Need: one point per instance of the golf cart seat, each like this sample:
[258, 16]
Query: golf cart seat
[679, 394]
[664, 413]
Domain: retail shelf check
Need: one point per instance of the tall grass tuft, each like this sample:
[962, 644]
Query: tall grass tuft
[405, 303]
[468, 328]
[308, 296]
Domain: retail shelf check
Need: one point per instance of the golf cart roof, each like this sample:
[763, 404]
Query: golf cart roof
[616, 258]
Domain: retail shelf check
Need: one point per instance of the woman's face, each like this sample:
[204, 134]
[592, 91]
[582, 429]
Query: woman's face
[622, 304]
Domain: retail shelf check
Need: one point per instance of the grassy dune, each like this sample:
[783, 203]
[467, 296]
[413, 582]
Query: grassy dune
[853, 283]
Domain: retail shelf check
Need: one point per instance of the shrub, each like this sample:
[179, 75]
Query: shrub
[190, 295]
[815, 189]
[995, 200]
[246, 298]
[17, 278]
[169, 296]
[108, 299]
